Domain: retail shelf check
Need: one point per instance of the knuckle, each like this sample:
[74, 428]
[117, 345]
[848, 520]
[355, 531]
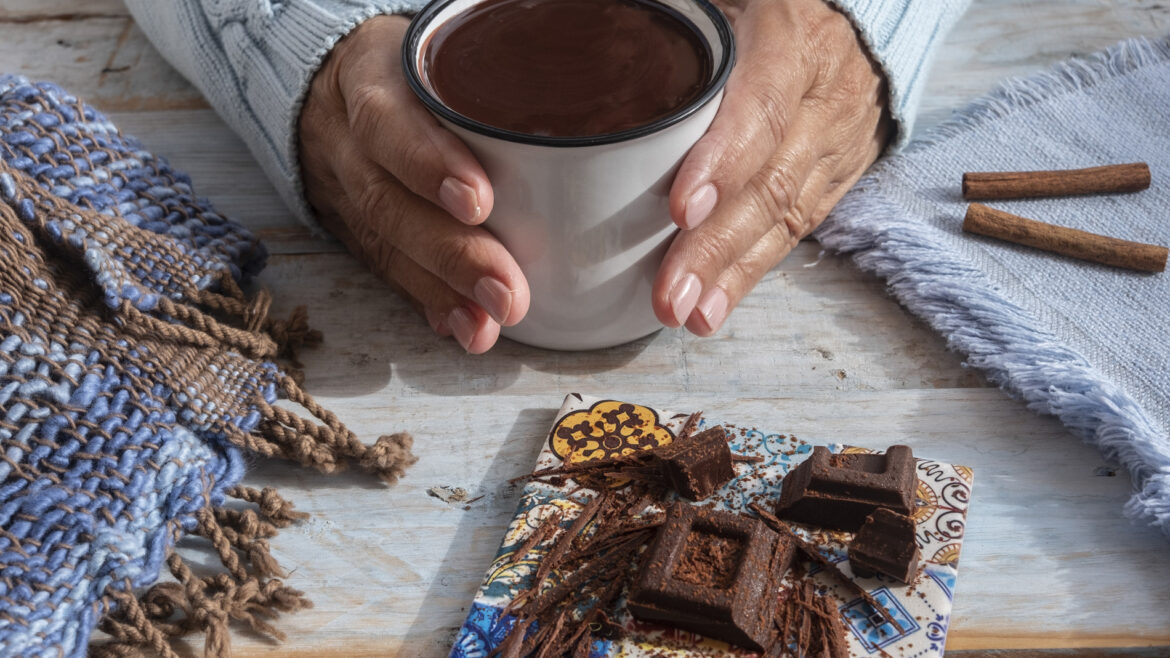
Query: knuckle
[714, 250]
[776, 191]
[794, 226]
[380, 204]
[386, 258]
[452, 256]
[771, 107]
[369, 107]
[410, 155]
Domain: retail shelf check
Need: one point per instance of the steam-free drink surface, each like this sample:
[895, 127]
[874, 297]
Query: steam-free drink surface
[567, 68]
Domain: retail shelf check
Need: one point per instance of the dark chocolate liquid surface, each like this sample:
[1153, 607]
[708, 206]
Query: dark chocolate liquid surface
[567, 68]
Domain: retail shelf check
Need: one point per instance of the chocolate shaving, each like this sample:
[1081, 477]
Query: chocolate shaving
[553, 636]
[573, 613]
[583, 646]
[598, 567]
[809, 625]
[749, 459]
[812, 553]
[607, 538]
[514, 641]
[538, 536]
[566, 540]
[689, 426]
[593, 466]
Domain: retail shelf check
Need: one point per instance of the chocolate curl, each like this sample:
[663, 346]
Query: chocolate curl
[600, 566]
[538, 536]
[565, 541]
[813, 554]
[514, 641]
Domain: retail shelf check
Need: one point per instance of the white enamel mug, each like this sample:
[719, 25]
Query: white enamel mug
[586, 218]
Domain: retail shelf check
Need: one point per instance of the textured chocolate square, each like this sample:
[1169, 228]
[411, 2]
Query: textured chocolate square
[840, 490]
[698, 465]
[885, 544]
[714, 573]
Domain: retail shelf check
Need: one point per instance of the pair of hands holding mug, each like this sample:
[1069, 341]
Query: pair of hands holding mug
[803, 115]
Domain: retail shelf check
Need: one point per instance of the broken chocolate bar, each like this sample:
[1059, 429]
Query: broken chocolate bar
[697, 465]
[840, 490]
[885, 544]
[714, 573]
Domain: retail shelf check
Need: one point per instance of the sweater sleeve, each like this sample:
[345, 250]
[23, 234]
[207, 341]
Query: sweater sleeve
[254, 60]
[902, 35]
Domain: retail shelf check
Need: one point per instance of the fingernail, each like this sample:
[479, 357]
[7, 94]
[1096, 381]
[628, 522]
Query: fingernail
[459, 199]
[494, 297]
[700, 205]
[713, 308]
[683, 297]
[462, 325]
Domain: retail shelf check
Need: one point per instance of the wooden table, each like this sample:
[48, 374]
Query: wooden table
[817, 349]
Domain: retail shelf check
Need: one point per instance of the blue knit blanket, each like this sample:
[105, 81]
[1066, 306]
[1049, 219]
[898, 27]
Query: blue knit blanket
[1086, 343]
[134, 378]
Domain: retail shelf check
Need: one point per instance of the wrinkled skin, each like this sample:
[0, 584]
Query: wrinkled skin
[802, 117]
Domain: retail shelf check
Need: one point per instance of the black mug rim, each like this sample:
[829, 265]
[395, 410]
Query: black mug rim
[410, 63]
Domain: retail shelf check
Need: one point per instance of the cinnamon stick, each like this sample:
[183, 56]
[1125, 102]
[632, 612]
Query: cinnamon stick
[1067, 182]
[994, 223]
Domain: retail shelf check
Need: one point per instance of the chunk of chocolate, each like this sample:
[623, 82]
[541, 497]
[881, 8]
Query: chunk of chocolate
[885, 544]
[714, 573]
[698, 465]
[840, 490]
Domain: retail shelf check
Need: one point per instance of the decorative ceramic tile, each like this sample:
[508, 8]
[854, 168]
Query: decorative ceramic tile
[590, 428]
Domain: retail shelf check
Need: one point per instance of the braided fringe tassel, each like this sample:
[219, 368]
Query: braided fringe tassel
[248, 591]
[327, 445]
[260, 338]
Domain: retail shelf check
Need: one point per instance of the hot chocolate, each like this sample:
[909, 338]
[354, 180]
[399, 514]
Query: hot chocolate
[567, 68]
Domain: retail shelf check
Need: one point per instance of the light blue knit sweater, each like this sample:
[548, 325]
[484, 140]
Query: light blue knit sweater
[254, 59]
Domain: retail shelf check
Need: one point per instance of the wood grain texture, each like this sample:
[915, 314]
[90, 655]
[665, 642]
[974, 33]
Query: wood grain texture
[102, 57]
[819, 351]
[30, 11]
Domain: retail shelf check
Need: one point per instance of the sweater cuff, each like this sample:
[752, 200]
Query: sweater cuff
[278, 62]
[902, 35]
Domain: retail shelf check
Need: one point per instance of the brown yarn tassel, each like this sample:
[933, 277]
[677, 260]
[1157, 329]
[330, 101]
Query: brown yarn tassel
[246, 592]
[325, 446]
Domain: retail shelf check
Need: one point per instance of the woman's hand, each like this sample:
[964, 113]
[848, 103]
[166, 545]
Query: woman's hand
[803, 115]
[404, 194]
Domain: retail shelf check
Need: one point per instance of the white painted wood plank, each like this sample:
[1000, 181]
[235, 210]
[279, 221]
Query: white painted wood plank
[827, 327]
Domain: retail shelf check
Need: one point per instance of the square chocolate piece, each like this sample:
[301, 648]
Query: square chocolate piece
[885, 544]
[698, 465]
[714, 573]
[840, 490]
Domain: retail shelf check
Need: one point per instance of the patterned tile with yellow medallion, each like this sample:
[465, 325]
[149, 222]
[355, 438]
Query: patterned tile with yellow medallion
[591, 428]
